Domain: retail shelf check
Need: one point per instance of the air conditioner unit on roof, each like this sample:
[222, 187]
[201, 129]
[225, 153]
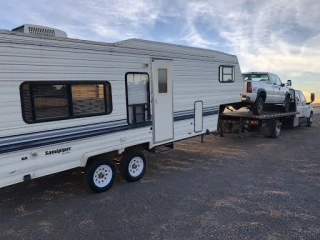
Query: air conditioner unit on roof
[40, 31]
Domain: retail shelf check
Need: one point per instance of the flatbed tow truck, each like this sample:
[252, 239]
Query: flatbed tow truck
[270, 121]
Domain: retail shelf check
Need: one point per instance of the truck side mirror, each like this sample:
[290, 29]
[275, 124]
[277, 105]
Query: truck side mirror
[312, 97]
[289, 83]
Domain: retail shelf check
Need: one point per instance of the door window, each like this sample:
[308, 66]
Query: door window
[278, 80]
[273, 79]
[162, 80]
[302, 98]
[298, 98]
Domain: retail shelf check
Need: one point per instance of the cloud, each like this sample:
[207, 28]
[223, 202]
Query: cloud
[280, 36]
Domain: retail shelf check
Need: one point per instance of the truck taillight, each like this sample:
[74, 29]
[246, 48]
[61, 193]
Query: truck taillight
[254, 122]
[249, 87]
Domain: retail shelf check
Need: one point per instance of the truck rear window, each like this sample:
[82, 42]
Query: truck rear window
[256, 77]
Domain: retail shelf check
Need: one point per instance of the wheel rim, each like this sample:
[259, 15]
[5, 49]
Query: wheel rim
[102, 176]
[136, 166]
[278, 129]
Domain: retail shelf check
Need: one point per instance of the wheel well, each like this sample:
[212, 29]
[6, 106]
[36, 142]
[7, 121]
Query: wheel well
[263, 94]
[115, 154]
[110, 155]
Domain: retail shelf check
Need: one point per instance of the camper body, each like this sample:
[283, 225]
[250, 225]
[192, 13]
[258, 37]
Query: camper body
[67, 103]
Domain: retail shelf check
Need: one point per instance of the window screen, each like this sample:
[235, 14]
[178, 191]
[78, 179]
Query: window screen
[226, 74]
[162, 80]
[138, 103]
[42, 101]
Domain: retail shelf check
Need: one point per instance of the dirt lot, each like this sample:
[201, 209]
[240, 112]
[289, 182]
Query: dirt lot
[226, 188]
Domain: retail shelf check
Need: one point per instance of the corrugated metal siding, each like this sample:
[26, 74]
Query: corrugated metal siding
[193, 79]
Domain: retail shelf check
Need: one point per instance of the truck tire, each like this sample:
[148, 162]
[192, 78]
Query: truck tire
[257, 108]
[100, 175]
[275, 129]
[309, 120]
[287, 102]
[133, 165]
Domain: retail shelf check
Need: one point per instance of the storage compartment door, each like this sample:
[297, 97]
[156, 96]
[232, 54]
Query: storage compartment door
[198, 117]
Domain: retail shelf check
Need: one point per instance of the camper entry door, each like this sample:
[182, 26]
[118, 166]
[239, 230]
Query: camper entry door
[162, 100]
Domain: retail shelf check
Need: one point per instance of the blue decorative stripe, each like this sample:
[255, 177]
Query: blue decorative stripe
[32, 140]
[32, 143]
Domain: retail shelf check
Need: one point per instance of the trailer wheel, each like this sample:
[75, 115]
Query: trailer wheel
[287, 104]
[309, 120]
[257, 108]
[133, 165]
[100, 175]
[275, 129]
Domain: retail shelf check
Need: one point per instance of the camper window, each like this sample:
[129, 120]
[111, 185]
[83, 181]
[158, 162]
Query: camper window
[42, 101]
[87, 99]
[226, 74]
[138, 100]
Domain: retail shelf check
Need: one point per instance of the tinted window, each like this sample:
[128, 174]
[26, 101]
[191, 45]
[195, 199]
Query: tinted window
[42, 101]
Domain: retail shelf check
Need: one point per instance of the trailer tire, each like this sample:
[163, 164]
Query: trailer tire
[275, 129]
[309, 120]
[257, 108]
[133, 165]
[100, 175]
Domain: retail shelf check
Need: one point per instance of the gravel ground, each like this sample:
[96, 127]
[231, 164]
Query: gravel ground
[225, 188]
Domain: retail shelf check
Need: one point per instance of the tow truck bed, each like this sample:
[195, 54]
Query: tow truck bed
[268, 124]
[250, 115]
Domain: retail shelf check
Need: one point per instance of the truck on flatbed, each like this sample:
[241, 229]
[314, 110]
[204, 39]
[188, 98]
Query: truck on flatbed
[270, 121]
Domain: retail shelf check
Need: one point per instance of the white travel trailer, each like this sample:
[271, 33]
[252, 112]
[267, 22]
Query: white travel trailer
[67, 103]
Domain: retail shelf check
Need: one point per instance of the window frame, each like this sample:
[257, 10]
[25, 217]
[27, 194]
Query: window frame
[222, 73]
[127, 98]
[107, 90]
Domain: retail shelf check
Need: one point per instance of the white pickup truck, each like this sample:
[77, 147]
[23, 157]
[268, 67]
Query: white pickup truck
[262, 88]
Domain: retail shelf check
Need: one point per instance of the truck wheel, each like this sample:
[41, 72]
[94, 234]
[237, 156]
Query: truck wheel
[100, 175]
[257, 108]
[287, 104]
[309, 120]
[133, 165]
[275, 129]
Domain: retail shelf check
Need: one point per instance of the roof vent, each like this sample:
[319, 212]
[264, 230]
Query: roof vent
[40, 31]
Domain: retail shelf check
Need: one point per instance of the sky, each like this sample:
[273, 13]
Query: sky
[279, 36]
